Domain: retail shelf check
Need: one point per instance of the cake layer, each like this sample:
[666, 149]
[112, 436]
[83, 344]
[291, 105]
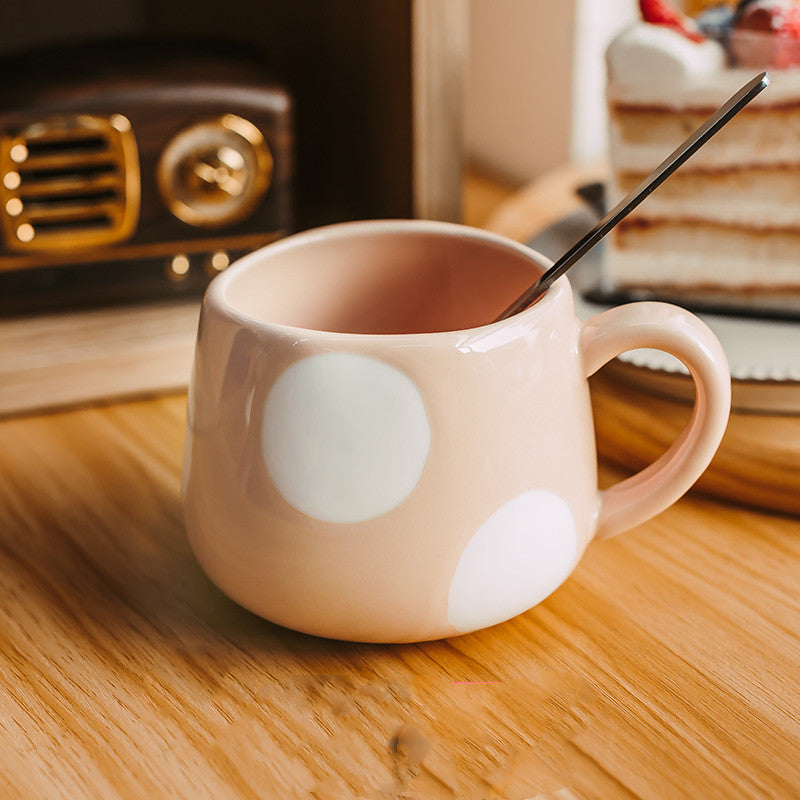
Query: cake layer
[702, 255]
[707, 90]
[759, 197]
[724, 231]
[642, 137]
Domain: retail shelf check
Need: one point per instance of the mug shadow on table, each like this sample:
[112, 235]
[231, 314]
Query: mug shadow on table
[102, 575]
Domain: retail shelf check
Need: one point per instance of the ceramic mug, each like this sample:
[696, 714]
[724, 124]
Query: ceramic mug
[369, 457]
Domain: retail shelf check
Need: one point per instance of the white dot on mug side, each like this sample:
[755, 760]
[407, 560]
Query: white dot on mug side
[345, 436]
[520, 555]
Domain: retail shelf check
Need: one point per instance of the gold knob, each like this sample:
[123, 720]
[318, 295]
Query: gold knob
[215, 173]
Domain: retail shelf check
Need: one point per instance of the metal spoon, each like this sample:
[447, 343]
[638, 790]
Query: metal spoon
[711, 126]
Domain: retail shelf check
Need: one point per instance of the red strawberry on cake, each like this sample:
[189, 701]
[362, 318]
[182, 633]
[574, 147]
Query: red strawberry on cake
[658, 12]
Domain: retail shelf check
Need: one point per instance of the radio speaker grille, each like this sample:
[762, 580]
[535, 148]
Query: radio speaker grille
[69, 182]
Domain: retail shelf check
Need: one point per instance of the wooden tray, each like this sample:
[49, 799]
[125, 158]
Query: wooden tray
[758, 462]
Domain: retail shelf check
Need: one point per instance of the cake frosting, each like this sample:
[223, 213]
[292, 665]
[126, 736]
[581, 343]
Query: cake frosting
[727, 224]
[645, 61]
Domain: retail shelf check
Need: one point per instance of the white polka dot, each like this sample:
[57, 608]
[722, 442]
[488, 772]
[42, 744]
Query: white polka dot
[521, 554]
[345, 436]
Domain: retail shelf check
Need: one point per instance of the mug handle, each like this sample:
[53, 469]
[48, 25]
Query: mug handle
[664, 327]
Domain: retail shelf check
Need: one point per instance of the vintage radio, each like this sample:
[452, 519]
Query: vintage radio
[136, 170]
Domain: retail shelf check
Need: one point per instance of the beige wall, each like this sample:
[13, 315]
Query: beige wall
[534, 82]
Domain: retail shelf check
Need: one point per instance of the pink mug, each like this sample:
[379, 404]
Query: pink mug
[368, 457]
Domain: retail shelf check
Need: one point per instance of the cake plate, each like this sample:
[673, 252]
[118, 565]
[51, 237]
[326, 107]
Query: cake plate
[764, 354]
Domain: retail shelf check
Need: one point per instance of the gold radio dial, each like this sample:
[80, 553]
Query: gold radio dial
[215, 173]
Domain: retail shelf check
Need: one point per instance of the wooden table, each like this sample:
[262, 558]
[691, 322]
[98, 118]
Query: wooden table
[668, 666]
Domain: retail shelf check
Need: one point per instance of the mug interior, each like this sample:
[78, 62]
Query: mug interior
[381, 280]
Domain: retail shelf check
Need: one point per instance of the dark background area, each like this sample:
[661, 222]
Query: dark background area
[346, 63]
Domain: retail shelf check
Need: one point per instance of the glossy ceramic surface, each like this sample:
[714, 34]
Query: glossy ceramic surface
[366, 460]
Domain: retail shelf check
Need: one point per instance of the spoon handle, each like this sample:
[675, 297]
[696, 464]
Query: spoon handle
[689, 147]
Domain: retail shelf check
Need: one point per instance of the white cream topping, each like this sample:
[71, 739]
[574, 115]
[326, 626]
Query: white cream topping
[655, 65]
[656, 56]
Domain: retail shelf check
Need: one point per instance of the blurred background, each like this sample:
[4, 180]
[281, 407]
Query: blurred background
[147, 144]
[533, 80]
[535, 83]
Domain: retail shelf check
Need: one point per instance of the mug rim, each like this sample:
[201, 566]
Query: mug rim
[215, 293]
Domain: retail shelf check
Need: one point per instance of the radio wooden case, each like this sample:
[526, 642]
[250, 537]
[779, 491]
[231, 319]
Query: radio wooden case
[136, 170]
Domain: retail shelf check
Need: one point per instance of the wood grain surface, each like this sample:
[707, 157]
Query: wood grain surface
[668, 666]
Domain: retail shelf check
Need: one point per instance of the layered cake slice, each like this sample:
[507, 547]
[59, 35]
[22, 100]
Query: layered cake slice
[725, 229]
